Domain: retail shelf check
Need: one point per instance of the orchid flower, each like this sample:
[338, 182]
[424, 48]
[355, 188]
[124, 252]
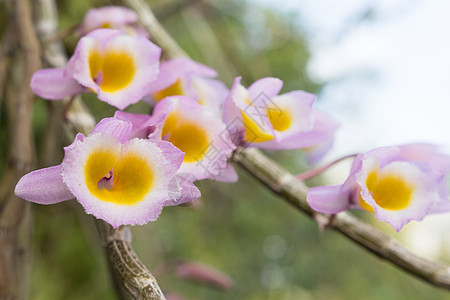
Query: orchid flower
[193, 129]
[120, 180]
[113, 17]
[326, 127]
[399, 184]
[115, 66]
[185, 77]
[259, 117]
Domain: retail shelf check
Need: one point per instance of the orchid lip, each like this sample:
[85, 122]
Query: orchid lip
[107, 182]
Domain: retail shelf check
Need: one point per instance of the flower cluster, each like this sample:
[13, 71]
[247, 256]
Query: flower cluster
[132, 165]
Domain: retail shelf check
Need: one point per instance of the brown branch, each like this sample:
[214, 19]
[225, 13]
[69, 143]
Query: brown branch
[133, 274]
[294, 191]
[22, 55]
[157, 33]
[283, 183]
[129, 271]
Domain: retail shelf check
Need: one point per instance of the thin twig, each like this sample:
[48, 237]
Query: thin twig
[58, 36]
[294, 191]
[314, 172]
[129, 271]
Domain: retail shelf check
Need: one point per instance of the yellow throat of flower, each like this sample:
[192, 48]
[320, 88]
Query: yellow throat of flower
[280, 119]
[187, 136]
[175, 89]
[121, 179]
[390, 191]
[113, 70]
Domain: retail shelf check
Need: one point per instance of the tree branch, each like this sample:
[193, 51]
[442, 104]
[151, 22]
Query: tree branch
[158, 34]
[129, 271]
[283, 183]
[294, 191]
[21, 50]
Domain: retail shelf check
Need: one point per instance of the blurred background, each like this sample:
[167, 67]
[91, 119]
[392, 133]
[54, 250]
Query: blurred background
[380, 68]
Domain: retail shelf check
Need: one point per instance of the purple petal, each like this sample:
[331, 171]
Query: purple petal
[267, 87]
[230, 111]
[212, 93]
[189, 192]
[315, 153]
[121, 130]
[142, 126]
[115, 16]
[163, 81]
[170, 152]
[44, 186]
[54, 84]
[427, 153]
[228, 174]
[186, 66]
[328, 199]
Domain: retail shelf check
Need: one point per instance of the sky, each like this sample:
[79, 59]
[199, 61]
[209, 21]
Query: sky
[386, 66]
[387, 76]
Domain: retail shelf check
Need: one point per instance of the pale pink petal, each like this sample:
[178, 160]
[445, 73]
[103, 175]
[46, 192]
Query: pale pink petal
[163, 81]
[328, 199]
[121, 130]
[142, 125]
[427, 153]
[54, 84]
[267, 87]
[185, 66]
[211, 92]
[189, 191]
[327, 126]
[111, 16]
[232, 115]
[44, 186]
[296, 106]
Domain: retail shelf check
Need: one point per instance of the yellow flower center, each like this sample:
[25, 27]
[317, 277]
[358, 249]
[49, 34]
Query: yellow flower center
[121, 179]
[112, 71]
[280, 120]
[364, 204]
[390, 191]
[107, 25]
[253, 132]
[187, 136]
[175, 89]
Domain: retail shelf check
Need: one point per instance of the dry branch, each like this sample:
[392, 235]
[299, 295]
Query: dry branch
[294, 192]
[20, 58]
